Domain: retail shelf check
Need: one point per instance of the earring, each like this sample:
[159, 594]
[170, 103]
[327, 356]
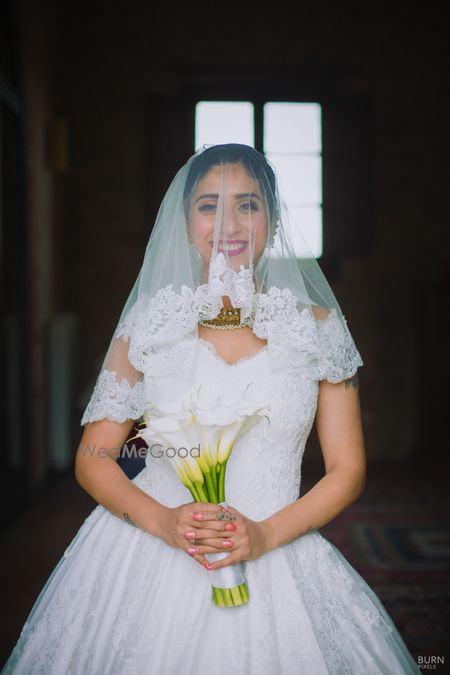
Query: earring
[273, 233]
[194, 248]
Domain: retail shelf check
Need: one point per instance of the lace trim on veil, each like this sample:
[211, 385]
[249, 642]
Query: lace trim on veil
[324, 348]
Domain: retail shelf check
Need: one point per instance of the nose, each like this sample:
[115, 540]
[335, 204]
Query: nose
[231, 225]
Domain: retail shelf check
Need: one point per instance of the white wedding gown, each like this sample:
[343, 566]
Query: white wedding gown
[122, 602]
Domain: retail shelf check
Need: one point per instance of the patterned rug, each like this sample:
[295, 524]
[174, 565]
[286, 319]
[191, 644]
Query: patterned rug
[402, 550]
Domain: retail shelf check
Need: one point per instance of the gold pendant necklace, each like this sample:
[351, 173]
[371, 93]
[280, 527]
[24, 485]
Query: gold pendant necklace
[227, 319]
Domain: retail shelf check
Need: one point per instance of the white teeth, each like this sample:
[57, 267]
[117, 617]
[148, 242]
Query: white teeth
[230, 247]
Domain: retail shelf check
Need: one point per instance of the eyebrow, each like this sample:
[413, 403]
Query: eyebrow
[237, 196]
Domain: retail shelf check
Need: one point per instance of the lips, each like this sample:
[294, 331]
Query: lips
[231, 246]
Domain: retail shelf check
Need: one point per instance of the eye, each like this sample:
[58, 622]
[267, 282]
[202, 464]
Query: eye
[207, 208]
[249, 206]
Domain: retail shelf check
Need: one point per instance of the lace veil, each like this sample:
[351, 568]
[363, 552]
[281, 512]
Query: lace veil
[222, 230]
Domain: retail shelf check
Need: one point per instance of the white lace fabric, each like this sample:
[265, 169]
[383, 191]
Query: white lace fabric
[115, 400]
[322, 349]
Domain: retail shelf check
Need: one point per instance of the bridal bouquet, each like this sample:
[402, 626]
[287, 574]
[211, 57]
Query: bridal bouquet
[210, 425]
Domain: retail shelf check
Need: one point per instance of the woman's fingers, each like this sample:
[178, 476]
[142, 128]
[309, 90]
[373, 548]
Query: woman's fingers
[231, 559]
[204, 510]
[208, 533]
[221, 530]
[211, 530]
[212, 521]
[198, 551]
[212, 546]
[220, 513]
[203, 560]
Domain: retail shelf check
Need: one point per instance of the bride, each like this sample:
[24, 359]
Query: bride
[223, 317]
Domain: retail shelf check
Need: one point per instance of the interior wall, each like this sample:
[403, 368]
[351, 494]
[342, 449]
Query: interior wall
[111, 58]
[36, 51]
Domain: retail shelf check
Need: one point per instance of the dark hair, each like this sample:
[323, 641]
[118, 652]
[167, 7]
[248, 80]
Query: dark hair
[233, 153]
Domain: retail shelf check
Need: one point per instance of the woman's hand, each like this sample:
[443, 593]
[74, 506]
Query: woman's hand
[178, 527]
[214, 529]
[230, 531]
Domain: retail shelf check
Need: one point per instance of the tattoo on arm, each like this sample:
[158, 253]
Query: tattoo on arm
[352, 382]
[128, 519]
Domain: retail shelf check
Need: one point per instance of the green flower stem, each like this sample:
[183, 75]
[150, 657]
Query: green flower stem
[203, 496]
[236, 595]
[218, 597]
[227, 597]
[194, 492]
[230, 597]
[244, 592]
[222, 481]
[210, 485]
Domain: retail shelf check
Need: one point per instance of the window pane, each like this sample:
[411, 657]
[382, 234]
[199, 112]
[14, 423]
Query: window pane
[308, 221]
[292, 142]
[300, 178]
[292, 127]
[224, 122]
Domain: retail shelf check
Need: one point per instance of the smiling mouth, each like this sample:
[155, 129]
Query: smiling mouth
[231, 246]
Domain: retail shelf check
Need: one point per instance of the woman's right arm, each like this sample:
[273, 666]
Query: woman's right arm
[97, 471]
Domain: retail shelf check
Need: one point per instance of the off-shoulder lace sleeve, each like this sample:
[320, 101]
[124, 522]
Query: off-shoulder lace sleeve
[339, 358]
[119, 393]
[313, 339]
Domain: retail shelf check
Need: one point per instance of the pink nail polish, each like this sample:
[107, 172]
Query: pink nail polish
[192, 551]
[189, 534]
[230, 527]
[197, 516]
[227, 542]
[208, 565]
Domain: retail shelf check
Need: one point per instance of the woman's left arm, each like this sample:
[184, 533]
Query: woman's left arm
[339, 428]
[340, 433]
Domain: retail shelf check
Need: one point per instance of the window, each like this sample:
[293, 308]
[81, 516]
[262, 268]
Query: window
[291, 140]
[224, 122]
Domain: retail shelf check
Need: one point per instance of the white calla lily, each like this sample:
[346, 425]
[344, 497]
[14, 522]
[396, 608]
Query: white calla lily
[178, 432]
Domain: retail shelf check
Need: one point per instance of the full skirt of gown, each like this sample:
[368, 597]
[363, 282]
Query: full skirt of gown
[122, 602]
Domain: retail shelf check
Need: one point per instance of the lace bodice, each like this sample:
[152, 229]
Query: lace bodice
[263, 472]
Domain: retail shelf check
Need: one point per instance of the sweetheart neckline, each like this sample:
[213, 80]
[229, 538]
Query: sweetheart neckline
[211, 348]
